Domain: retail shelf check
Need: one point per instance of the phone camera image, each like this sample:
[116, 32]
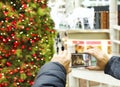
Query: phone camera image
[80, 59]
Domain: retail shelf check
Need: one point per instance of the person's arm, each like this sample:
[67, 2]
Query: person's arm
[110, 66]
[113, 67]
[52, 74]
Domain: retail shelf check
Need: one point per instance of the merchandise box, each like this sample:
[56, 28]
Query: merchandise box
[79, 46]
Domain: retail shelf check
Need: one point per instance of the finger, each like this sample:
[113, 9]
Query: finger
[54, 55]
[68, 56]
[61, 52]
[65, 53]
[69, 70]
[93, 68]
[93, 52]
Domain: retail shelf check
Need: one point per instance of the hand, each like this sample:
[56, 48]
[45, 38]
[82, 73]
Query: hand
[101, 58]
[63, 58]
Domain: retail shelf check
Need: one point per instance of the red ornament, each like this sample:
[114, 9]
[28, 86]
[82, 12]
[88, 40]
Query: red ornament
[4, 51]
[27, 29]
[4, 84]
[6, 19]
[20, 80]
[29, 74]
[31, 19]
[13, 9]
[0, 57]
[39, 1]
[4, 40]
[38, 59]
[1, 37]
[28, 70]
[34, 55]
[3, 6]
[8, 38]
[12, 34]
[23, 47]
[24, 6]
[21, 71]
[47, 28]
[5, 13]
[35, 1]
[29, 48]
[15, 79]
[22, 15]
[32, 41]
[9, 28]
[31, 82]
[0, 75]
[8, 64]
[6, 55]
[11, 73]
[32, 63]
[16, 43]
[13, 51]
[33, 35]
[43, 6]
[28, 1]
[2, 29]
[15, 70]
[13, 23]
[15, 84]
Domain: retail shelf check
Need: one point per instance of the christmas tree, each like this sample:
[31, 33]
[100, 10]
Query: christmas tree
[26, 40]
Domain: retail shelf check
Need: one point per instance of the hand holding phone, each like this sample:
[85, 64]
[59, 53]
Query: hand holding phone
[81, 60]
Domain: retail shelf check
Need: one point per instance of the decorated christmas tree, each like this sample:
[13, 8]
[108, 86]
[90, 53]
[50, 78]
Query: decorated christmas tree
[26, 40]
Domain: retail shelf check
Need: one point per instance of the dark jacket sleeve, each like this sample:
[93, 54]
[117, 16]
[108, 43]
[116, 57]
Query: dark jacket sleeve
[51, 74]
[113, 67]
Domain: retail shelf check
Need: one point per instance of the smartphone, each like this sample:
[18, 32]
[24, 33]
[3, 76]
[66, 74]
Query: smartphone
[82, 60]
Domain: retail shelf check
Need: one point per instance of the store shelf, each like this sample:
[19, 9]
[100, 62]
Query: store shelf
[117, 28]
[97, 76]
[116, 41]
[88, 34]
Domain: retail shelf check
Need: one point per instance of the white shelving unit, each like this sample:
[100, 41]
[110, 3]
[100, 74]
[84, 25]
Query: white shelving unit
[77, 74]
[97, 76]
[115, 39]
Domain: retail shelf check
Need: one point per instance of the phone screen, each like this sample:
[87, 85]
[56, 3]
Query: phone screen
[81, 60]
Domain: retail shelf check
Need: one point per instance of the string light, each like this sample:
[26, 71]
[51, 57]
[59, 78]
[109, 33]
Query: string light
[19, 61]
[27, 35]
[36, 47]
[14, 4]
[20, 8]
[29, 24]
[27, 65]
[11, 2]
[2, 21]
[18, 83]
[21, 32]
